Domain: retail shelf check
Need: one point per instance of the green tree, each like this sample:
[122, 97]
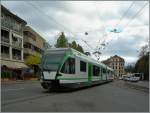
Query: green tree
[79, 48]
[33, 60]
[74, 45]
[62, 41]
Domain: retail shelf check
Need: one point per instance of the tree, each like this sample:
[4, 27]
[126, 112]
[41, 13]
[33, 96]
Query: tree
[74, 45]
[144, 50]
[62, 41]
[142, 66]
[79, 48]
[33, 61]
[129, 68]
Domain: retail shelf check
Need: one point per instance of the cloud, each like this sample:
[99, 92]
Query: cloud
[75, 18]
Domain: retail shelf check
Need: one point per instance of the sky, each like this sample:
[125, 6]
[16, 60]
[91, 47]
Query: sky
[97, 18]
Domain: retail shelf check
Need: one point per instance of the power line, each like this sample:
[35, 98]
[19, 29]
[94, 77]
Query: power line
[125, 13]
[42, 12]
[56, 22]
[136, 14]
[120, 19]
[133, 16]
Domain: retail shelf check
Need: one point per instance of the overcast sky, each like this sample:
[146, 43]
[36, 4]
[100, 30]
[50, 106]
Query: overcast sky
[97, 18]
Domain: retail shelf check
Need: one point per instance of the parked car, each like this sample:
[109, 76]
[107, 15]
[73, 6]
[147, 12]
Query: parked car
[132, 79]
[120, 78]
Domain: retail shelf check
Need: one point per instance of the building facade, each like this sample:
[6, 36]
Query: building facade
[11, 39]
[116, 63]
[33, 42]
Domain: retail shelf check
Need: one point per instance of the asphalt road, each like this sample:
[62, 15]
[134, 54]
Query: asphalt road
[111, 97]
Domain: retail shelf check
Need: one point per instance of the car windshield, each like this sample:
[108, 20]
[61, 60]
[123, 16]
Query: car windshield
[52, 60]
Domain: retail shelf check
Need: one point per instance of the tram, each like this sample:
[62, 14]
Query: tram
[66, 67]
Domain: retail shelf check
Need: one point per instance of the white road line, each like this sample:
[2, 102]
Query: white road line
[12, 89]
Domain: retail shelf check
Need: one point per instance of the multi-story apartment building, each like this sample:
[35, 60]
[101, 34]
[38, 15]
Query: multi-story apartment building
[33, 42]
[11, 39]
[116, 63]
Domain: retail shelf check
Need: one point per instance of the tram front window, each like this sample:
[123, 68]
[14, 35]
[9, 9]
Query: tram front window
[69, 66]
[51, 61]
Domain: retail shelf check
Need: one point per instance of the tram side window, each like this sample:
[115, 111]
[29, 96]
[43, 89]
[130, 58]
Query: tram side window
[69, 66]
[82, 66]
[104, 70]
[96, 70]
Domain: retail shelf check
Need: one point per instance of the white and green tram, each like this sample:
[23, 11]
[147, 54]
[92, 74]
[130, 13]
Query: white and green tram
[66, 67]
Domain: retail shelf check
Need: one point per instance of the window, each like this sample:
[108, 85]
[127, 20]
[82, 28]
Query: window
[82, 66]
[104, 70]
[96, 70]
[16, 54]
[4, 50]
[69, 66]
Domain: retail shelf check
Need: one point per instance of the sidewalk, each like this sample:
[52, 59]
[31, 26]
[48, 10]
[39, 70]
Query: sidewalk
[17, 81]
[139, 85]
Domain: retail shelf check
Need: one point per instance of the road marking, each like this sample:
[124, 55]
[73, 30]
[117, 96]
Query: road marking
[24, 99]
[13, 89]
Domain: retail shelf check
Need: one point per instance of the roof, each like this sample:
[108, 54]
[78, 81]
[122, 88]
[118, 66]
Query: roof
[11, 14]
[117, 56]
[108, 60]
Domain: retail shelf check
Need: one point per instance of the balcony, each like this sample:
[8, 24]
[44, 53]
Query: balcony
[29, 40]
[5, 40]
[16, 57]
[5, 55]
[17, 44]
[30, 51]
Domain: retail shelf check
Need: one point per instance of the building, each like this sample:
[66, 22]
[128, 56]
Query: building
[33, 42]
[116, 63]
[11, 40]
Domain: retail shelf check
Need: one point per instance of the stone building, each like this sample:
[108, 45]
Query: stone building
[11, 39]
[116, 63]
[33, 42]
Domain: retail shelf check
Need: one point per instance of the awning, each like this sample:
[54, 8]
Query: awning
[13, 64]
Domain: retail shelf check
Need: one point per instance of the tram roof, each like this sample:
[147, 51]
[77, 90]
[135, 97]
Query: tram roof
[79, 54]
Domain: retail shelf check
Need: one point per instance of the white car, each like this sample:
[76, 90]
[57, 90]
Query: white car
[120, 78]
[134, 79]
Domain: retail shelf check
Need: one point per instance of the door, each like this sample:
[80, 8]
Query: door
[89, 72]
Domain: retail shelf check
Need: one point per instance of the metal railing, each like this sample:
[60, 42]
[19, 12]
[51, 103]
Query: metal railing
[4, 55]
[17, 57]
[4, 39]
[16, 44]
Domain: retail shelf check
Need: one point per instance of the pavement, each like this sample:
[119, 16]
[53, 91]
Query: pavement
[140, 85]
[144, 84]
[115, 96]
[17, 81]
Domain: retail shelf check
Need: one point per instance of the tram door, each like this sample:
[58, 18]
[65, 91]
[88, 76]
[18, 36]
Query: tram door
[89, 72]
